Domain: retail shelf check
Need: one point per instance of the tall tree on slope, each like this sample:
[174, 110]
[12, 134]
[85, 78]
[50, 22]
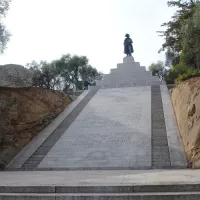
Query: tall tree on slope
[4, 34]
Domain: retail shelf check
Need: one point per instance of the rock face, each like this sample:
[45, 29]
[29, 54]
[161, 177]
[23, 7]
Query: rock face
[24, 112]
[15, 76]
[186, 102]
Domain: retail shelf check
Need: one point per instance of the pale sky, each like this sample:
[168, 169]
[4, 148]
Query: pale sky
[47, 29]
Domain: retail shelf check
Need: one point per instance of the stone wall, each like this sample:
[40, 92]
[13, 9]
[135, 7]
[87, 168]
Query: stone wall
[15, 76]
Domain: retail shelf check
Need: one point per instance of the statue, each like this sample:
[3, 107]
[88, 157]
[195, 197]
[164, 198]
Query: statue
[128, 47]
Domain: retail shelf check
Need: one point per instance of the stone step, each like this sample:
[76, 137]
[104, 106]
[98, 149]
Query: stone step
[86, 185]
[102, 196]
[163, 142]
[131, 77]
[100, 189]
[109, 86]
[160, 149]
[126, 69]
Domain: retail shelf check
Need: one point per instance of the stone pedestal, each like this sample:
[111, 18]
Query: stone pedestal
[128, 59]
[128, 74]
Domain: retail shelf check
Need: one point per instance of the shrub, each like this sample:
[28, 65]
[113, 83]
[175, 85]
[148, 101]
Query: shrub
[191, 73]
[174, 73]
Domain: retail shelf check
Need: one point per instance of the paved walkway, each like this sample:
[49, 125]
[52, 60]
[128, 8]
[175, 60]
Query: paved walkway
[113, 131]
[122, 128]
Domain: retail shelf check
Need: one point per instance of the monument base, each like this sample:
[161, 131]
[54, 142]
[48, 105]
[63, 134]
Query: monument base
[128, 74]
[128, 59]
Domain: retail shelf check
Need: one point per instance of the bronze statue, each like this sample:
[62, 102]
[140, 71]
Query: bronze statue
[128, 47]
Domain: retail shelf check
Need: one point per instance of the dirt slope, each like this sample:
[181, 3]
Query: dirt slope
[24, 112]
[186, 102]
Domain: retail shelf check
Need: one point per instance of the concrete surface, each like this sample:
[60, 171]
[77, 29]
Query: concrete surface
[176, 149]
[113, 131]
[100, 178]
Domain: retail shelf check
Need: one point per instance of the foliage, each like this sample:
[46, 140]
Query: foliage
[4, 34]
[158, 69]
[191, 39]
[67, 73]
[181, 72]
[174, 73]
[45, 74]
[173, 34]
[75, 70]
[190, 73]
[182, 41]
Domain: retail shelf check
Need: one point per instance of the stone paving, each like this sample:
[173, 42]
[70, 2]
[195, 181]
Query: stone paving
[113, 131]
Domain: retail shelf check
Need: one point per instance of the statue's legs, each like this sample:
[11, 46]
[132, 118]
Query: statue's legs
[128, 50]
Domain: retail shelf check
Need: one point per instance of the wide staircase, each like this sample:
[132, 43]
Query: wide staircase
[119, 140]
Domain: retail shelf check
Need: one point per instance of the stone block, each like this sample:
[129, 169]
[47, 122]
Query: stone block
[128, 59]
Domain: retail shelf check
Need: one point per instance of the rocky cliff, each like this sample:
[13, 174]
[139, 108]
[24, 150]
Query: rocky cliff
[186, 102]
[13, 75]
[24, 112]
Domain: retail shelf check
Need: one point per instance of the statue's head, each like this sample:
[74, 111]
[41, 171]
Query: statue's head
[127, 35]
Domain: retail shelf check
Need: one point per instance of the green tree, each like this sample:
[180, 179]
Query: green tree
[175, 72]
[89, 73]
[4, 34]
[75, 70]
[158, 69]
[74, 65]
[45, 75]
[191, 40]
[173, 33]
[182, 41]
[67, 73]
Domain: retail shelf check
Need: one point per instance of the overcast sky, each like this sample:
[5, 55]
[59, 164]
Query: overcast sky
[46, 29]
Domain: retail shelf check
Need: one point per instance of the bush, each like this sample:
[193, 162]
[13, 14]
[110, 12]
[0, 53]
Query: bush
[174, 73]
[191, 73]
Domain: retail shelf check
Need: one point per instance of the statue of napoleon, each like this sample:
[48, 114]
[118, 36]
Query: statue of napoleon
[128, 47]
